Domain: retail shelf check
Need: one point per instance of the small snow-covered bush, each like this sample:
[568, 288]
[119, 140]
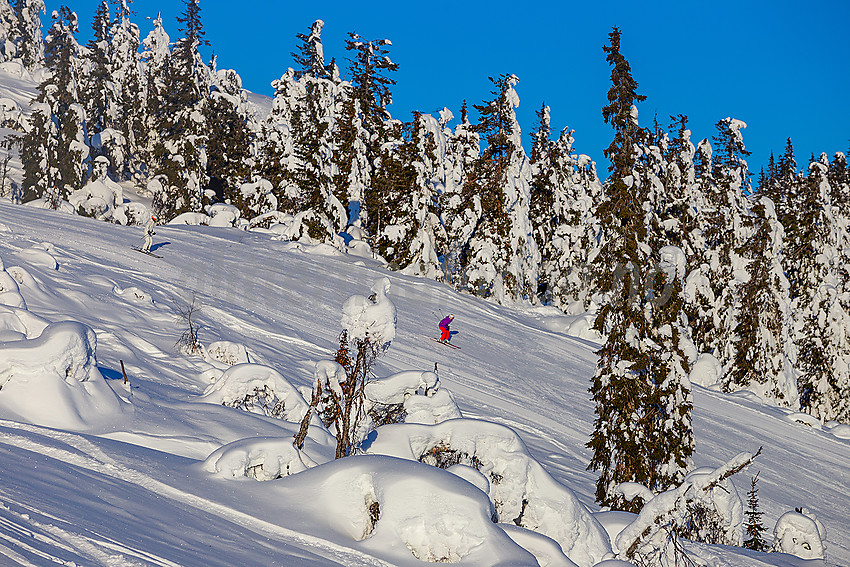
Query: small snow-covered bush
[715, 516]
[409, 397]
[257, 389]
[798, 534]
[227, 352]
[263, 458]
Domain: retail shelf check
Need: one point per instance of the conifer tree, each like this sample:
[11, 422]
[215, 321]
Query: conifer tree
[370, 88]
[7, 31]
[56, 148]
[824, 307]
[126, 149]
[753, 529]
[567, 251]
[762, 361]
[97, 88]
[228, 148]
[310, 56]
[180, 154]
[725, 184]
[642, 431]
[502, 259]
[27, 33]
[460, 210]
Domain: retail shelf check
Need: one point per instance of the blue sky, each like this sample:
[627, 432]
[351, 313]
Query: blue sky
[780, 66]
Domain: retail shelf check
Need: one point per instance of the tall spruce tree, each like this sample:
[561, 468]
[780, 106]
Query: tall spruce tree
[459, 209]
[823, 307]
[642, 431]
[26, 33]
[180, 153]
[56, 148]
[126, 146]
[370, 88]
[502, 260]
[763, 359]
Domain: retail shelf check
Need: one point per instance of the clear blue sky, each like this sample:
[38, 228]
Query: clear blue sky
[781, 66]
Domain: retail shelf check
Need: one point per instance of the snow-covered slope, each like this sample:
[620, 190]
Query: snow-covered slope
[132, 488]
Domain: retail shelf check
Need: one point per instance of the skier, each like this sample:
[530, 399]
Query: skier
[149, 235]
[444, 328]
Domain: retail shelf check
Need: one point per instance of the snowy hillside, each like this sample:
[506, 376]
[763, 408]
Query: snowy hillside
[139, 477]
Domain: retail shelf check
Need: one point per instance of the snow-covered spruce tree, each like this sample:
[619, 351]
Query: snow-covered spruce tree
[276, 161]
[125, 142]
[97, 89]
[155, 58]
[229, 159]
[370, 88]
[56, 147]
[567, 252]
[823, 307]
[26, 33]
[502, 260]
[459, 209]
[324, 215]
[763, 354]
[311, 56]
[7, 30]
[642, 431]
[753, 528]
[351, 165]
[387, 198]
[839, 182]
[725, 190]
[402, 201]
[180, 152]
[421, 254]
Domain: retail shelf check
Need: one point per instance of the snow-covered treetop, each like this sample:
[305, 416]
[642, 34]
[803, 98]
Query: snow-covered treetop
[371, 318]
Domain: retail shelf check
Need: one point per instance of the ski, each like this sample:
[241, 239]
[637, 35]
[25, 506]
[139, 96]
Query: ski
[448, 344]
[148, 253]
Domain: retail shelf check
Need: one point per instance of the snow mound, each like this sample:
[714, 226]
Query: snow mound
[520, 489]
[222, 215]
[798, 535]
[53, 379]
[841, 430]
[706, 371]
[192, 219]
[17, 323]
[257, 389]
[615, 521]
[412, 397]
[40, 255]
[546, 550]
[430, 410]
[227, 353]
[397, 388]
[133, 213]
[398, 508]
[133, 294]
[263, 458]
[10, 293]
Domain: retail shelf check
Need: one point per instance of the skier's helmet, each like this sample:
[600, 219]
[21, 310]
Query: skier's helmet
[451, 315]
